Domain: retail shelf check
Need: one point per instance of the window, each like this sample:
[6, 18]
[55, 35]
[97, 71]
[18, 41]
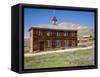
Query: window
[58, 43]
[70, 33]
[48, 33]
[46, 43]
[67, 43]
[73, 34]
[73, 42]
[64, 33]
[36, 31]
[39, 32]
[57, 33]
[49, 43]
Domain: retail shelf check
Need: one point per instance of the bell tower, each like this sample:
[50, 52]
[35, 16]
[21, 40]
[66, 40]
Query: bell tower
[54, 20]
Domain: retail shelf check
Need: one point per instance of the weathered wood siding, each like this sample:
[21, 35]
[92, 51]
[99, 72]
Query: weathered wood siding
[42, 39]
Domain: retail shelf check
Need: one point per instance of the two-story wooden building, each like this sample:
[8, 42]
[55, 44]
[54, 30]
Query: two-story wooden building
[43, 38]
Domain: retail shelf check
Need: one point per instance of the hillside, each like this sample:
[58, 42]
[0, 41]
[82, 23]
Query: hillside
[82, 30]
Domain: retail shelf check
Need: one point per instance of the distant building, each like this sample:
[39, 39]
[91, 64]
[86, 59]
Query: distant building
[86, 38]
[42, 38]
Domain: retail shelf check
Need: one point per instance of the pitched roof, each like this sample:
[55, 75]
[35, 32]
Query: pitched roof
[58, 27]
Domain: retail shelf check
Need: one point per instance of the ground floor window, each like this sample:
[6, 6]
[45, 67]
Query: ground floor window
[49, 43]
[73, 42]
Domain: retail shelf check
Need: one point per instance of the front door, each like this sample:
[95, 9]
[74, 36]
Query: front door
[41, 46]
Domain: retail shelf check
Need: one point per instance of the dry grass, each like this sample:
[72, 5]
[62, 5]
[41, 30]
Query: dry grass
[65, 59]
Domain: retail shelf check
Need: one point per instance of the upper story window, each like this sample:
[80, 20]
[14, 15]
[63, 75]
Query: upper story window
[73, 34]
[69, 34]
[48, 33]
[64, 33]
[39, 32]
[35, 32]
[55, 33]
[58, 33]
[30, 34]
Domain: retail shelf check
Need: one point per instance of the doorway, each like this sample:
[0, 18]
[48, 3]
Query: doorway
[41, 45]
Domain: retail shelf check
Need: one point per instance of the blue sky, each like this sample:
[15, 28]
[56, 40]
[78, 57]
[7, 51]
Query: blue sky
[43, 16]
